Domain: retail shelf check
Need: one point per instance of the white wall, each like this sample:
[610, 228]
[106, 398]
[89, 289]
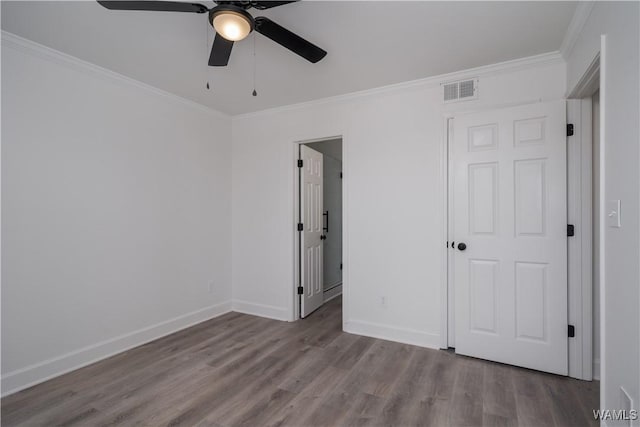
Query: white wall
[619, 96]
[115, 213]
[393, 198]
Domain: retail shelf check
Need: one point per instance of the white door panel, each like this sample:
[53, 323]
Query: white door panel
[509, 208]
[311, 197]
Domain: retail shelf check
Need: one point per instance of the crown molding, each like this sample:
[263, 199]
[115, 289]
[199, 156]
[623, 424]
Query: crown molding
[580, 16]
[10, 40]
[485, 70]
[13, 41]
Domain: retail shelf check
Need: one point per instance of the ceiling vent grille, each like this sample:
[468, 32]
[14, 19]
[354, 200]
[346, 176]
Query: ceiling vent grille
[460, 91]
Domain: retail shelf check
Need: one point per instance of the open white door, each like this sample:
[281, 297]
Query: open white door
[510, 211]
[312, 237]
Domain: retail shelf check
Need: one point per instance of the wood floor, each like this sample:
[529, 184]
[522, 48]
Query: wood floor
[244, 370]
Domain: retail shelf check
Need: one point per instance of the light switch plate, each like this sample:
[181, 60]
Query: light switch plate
[613, 213]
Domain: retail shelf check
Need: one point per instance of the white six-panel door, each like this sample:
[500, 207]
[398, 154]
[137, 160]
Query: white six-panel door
[509, 209]
[311, 209]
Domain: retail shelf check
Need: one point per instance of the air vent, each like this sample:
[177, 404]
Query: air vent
[460, 91]
[451, 91]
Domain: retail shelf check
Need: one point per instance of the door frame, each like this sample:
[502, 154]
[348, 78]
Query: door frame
[295, 300]
[579, 109]
[578, 257]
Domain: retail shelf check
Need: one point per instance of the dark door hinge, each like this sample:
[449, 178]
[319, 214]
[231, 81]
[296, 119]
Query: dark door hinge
[572, 331]
[300, 226]
[571, 230]
[300, 163]
[300, 290]
[340, 174]
[569, 129]
[340, 266]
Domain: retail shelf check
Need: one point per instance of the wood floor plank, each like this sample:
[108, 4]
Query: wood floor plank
[499, 404]
[405, 405]
[378, 369]
[241, 370]
[308, 400]
[368, 409]
[532, 402]
[332, 410]
[313, 365]
[265, 407]
[466, 407]
[346, 358]
[565, 405]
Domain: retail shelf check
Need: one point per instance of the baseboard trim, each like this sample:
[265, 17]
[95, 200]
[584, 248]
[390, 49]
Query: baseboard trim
[596, 369]
[261, 310]
[332, 293]
[390, 333]
[23, 378]
[326, 288]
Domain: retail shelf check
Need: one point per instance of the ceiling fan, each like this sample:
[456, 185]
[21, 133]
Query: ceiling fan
[232, 23]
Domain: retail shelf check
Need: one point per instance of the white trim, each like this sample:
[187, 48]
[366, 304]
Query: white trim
[450, 307]
[20, 379]
[586, 243]
[579, 247]
[596, 369]
[261, 310]
[579, 19]
[20, 44]
[589, 81]
[28, 46]
[498, 106]
[493, 69]
[294, 309]
[346, 197]
[332, 293]
[445, 312]
[390, 333]
[603, 244]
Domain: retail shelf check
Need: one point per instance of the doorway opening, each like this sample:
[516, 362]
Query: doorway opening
[319, 203]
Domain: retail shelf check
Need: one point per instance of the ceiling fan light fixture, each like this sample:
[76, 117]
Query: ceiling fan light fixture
[234, 24]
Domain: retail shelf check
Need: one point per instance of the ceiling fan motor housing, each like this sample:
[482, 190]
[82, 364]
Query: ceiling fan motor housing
[231, 9]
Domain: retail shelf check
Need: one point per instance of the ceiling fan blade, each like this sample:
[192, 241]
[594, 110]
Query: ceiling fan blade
[156, 6]
[291, 41]
[262, 5]
[220, 51]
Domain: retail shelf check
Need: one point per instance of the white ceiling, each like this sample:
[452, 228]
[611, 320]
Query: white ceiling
[370, 44]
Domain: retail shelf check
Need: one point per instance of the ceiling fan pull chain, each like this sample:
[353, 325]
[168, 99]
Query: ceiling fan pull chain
[206, 48]
[254, 93]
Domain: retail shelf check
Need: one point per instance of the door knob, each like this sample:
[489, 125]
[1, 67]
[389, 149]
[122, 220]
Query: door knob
[462, 246]
[322, 237]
